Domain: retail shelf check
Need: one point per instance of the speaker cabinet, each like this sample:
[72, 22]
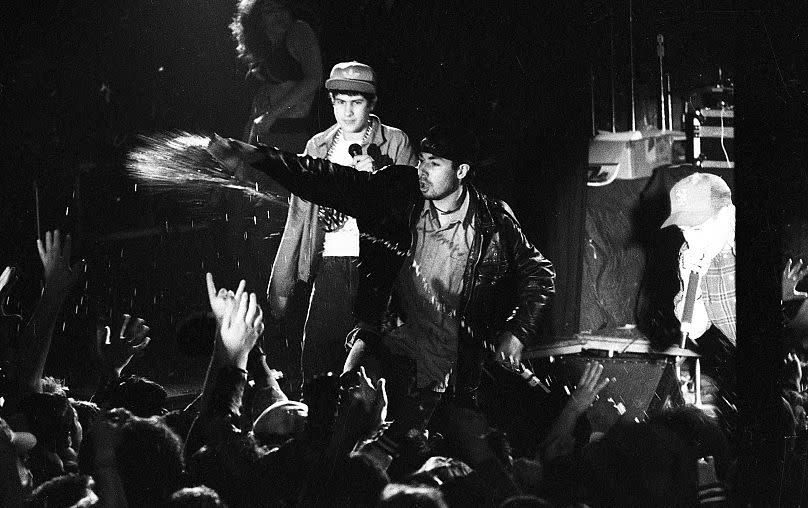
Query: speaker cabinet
[640, 387]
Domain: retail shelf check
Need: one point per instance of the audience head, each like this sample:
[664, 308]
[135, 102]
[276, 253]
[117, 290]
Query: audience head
[51, 418]
[438, 470]
[148, 457]
[321, 395]
[149, 460]
[359, 483]
[400, 495]
[180, 421]
[65, 491]
[699, 431]
[14, 451]
[140, 396]
[195, 497]
[229, 468]
[85, 412]
[642, 464]
[525, 501]
[280, 421]
[53, 385]
[528, 474]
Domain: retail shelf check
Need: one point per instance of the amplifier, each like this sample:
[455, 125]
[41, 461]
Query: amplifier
[641, 387]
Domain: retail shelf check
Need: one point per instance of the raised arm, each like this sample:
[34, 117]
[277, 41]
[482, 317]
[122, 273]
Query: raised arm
[115, 353]
[59, 278]
[560, 440]
[240, 321]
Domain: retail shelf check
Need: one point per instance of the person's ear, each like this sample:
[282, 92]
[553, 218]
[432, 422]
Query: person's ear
[372, 105]
[463, 170]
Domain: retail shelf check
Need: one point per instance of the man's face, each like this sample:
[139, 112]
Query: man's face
[436, 176]
[709, 235]
[351, 111]
[276, 21]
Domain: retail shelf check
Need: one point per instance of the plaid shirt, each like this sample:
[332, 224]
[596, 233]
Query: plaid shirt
[717, 290]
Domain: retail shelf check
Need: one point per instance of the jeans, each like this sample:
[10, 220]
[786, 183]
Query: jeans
[330, 316]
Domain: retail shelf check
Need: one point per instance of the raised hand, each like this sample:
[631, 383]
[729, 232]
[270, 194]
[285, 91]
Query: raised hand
[220, 299]
[232, 154]
[5, 277]
[588, 388]
[792, 275]
[793, 373]
[115, 353]
[55, 256]
[695, 260]
[372, 398]
[240, 328]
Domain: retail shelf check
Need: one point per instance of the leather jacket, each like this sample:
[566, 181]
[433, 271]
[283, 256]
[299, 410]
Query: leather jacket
[507, 281]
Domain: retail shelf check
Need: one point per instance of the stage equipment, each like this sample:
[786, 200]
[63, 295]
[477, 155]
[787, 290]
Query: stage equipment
[627, 155]
[644, 380]
[710, 127]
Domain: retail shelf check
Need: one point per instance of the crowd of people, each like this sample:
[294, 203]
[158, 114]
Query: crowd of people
[242, 442]
[393, 419]
[412, 278]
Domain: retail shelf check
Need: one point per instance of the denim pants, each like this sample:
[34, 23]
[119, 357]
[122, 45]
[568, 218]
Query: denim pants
[330, 316]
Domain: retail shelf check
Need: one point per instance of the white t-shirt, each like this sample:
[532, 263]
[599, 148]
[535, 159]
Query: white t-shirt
[345, 240]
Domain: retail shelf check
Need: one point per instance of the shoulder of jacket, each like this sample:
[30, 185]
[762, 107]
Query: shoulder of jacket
[324, 137]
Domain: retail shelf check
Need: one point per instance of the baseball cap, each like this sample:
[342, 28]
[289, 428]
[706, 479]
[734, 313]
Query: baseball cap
[451, 142]
[352, 76]
[696, 198]
[276, 418]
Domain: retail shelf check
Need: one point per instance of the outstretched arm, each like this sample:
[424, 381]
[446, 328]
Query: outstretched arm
[359, 194]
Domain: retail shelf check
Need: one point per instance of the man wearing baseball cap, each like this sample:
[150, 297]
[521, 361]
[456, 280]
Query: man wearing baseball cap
[701, 207]
[323, 247]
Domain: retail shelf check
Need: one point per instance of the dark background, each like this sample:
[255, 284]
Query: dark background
[81, 79]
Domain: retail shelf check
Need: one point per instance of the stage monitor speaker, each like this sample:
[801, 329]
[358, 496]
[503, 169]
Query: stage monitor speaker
[640, 388]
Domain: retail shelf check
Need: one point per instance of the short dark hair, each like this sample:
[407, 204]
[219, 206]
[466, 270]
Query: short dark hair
[150, 461]
[198, 497]
[65, 490]
[368, 96]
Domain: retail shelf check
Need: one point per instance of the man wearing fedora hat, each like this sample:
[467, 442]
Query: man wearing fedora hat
[323, 247]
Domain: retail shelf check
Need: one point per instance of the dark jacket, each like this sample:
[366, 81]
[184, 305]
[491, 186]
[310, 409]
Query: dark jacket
[507, 282]
[301, 245]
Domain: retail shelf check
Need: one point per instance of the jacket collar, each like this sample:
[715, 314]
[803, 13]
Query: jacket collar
[479, 207]
[377, 134]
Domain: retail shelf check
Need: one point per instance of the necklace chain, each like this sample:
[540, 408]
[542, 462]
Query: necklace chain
[330, 219]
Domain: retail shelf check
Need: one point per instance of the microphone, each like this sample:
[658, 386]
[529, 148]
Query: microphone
[375, 152]
[690, 299]
[355, 149]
